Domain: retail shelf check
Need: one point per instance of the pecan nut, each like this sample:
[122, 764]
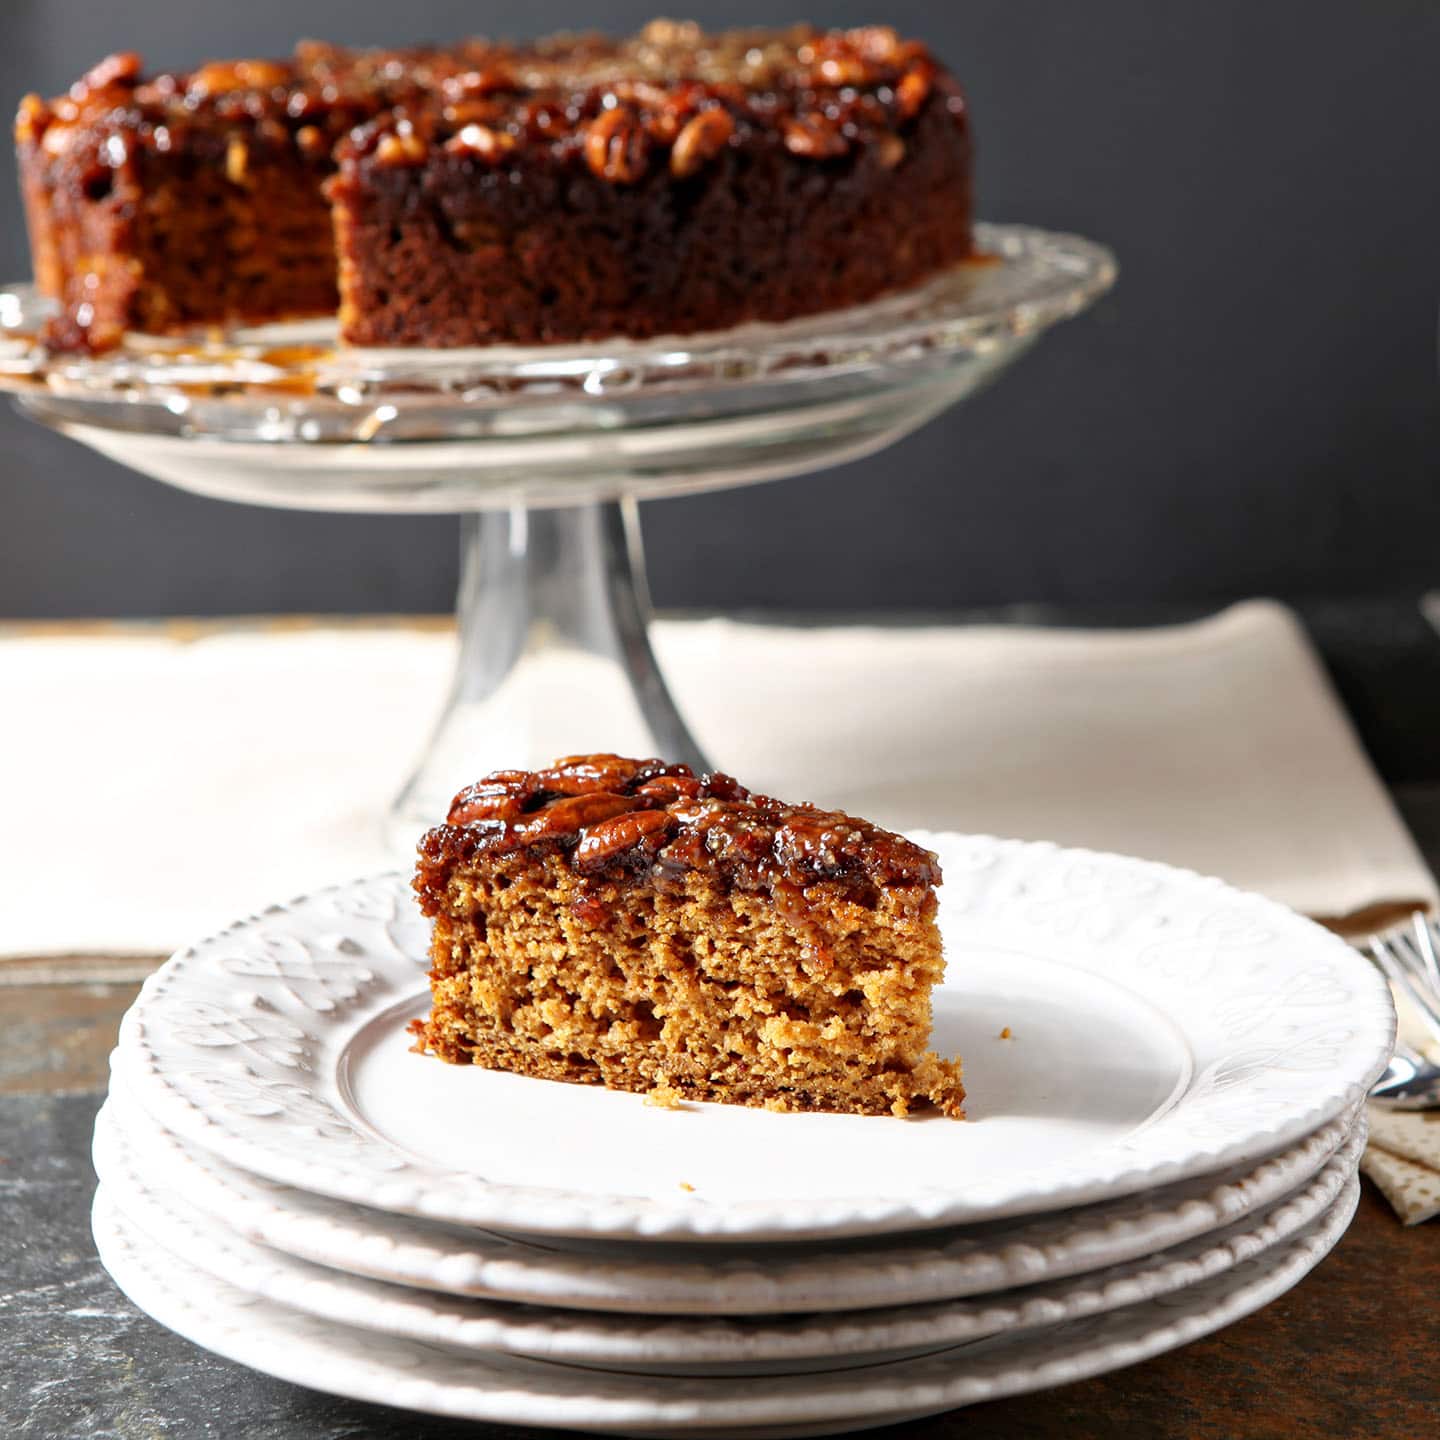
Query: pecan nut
[841, 70]
[571, 815]
[642, 93]
[400, 148]
[122, 68]
[32, 121]
[666, 789]
[501, 796]
[487, 807]
[488, 80]
[640, 829]
[577, 774]
[875, 42]
[481, 141]
[672, 33]
[220, 77]
[473, 112]
[814, 137]
[616, 145]
[262, 74]
[912, 90]
[701, 140]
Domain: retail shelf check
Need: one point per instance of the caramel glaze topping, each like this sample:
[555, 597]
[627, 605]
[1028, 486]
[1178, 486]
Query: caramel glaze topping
[671, 95]
[611, 815]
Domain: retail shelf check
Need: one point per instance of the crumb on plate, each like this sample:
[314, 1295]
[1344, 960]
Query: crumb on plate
[663, 1095]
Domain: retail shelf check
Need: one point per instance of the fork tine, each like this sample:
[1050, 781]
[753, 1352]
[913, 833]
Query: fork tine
[1425, 945]
[1406, 949]
[1407, 953]
[1398, 974]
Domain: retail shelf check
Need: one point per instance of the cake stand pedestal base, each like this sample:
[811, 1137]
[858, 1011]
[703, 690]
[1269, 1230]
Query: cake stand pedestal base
[554, 655]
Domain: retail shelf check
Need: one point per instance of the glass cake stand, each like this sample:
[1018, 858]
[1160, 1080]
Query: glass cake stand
[545, 452]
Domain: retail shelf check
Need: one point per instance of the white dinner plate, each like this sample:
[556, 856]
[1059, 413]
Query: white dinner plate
[669, 1279]
[441, 1380]
[1164, 1025]
[647, 1344]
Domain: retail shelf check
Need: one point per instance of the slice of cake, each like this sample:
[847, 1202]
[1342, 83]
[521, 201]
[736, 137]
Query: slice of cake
[574, 188]
[627, 923]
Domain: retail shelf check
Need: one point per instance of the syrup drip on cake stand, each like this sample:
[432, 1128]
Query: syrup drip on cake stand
[545, 454]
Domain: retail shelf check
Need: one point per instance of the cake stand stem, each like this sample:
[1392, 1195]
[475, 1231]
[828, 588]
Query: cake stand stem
[554, 654]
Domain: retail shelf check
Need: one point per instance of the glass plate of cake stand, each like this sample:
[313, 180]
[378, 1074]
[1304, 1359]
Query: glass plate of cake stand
[545, 453]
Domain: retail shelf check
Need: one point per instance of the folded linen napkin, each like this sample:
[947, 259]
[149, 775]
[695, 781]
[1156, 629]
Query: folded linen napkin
[1393, 1161]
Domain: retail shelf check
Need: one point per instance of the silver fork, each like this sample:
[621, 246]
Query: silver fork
[1409, 957]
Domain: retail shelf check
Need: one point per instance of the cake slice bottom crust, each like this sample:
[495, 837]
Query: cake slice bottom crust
[933, 1084]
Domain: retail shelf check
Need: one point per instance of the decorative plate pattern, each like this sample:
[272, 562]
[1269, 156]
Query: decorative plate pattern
[439, 1380]
[645, 1344]
[1165, 1026]
[698, 1280]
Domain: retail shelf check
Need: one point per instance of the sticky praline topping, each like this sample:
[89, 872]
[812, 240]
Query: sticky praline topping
[670, 98]
[676, 97]
[610, 813]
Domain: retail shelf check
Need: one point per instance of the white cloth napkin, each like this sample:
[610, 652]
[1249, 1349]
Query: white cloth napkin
[156, 782]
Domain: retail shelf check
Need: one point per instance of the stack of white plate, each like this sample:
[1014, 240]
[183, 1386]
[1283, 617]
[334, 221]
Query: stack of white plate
[1165, 1083]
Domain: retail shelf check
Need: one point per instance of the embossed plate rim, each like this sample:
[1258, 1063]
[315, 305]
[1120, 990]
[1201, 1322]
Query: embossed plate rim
[430, 1378]
[707, 1345]
[923, 1267]
[1308, 1022]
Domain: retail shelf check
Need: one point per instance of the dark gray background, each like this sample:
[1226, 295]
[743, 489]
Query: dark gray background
[1252, 410]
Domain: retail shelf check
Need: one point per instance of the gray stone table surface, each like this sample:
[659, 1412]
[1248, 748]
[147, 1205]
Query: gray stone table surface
[80, 1360]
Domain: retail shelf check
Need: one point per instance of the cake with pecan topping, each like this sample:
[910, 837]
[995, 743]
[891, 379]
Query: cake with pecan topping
[575, 188]
[628, 923]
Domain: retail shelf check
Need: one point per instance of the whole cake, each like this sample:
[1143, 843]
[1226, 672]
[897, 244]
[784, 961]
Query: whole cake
[576, 188]
[628, 923]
